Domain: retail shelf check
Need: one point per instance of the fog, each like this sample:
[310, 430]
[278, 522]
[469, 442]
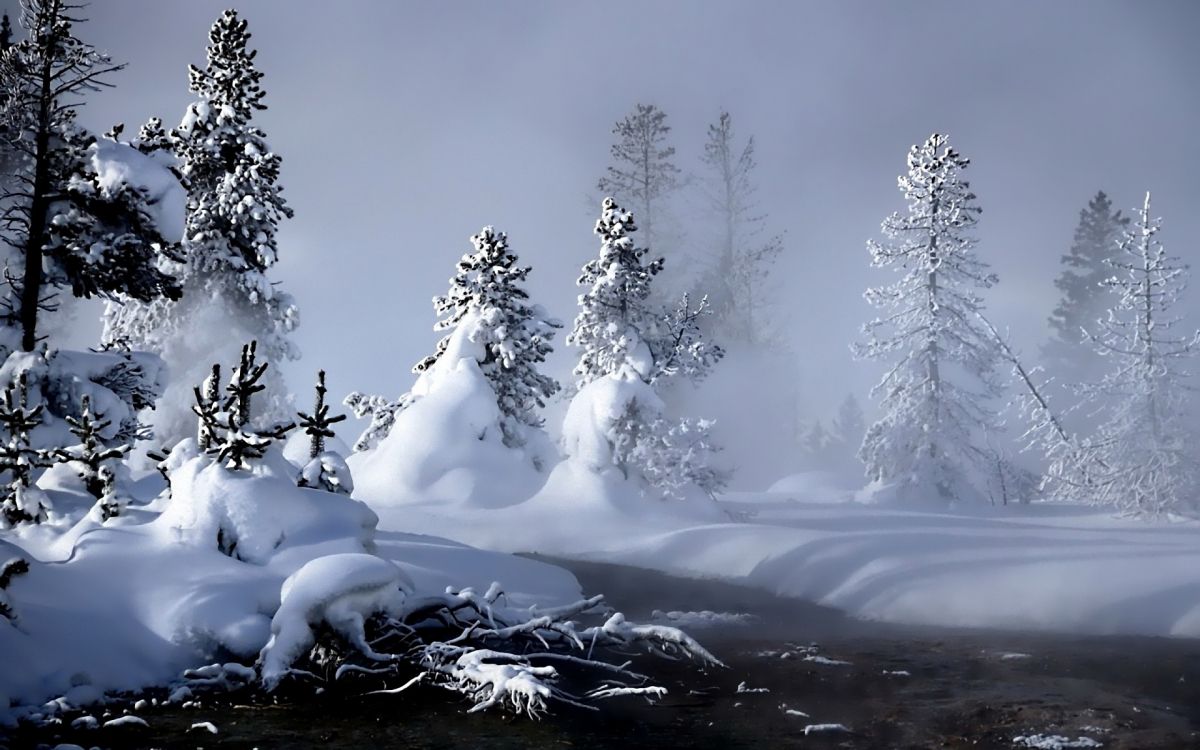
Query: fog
[406, 127]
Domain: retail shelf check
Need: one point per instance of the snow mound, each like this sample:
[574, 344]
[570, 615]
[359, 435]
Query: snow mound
[447, 445]
[257, 515]
[341, 591]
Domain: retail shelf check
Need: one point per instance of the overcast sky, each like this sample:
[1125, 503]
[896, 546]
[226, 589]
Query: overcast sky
[405, 127]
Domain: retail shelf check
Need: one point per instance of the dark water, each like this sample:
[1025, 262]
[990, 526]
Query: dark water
[961, 690]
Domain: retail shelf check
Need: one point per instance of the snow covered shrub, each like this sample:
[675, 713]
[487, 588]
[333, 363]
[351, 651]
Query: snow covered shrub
[324, 470]
[225, 427]
[10, 569]
[21, 501]
[670, 455]
[93, 460]
[380, 411]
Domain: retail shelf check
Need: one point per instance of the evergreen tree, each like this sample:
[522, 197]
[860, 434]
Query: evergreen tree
[20, 501]
[91, 454]
[743, 258]
[850, 425]
[319, 425]
[925, 440]
[5, 33]
[619, 328]
[514, 334]
[1142, 459]
[70, 228]
[235, 205]
[1081, 282]
[643, 171]
[231, 435]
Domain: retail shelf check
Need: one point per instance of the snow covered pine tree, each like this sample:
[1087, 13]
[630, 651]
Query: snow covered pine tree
[1141, 460]
[234, 209]
[515, 335]
[622, 336]
[924, 446]
[72, 226]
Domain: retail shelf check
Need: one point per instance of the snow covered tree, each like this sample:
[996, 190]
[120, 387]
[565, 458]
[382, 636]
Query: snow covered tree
[925, 442]
[670, 455]
[72, 226]
[5, 33]
[1084, 299]
[743, 257]
[318, 425]
[20, 500]
[819, 447]
[231, 436]
[643, 171]
[618, 327]
[380, 411]
[514, 334]
[235, 205]
[91, 455]
[1141, 460]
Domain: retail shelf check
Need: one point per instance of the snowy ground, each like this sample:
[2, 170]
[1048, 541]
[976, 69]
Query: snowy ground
[1045, 567]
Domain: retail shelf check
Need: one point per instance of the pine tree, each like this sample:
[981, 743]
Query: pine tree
[619, 328]
[318, 425]
[743, 258]
[514, 334]
[71, 229]
[1081, 282]
[850, 425]
[231, 435]
[643, 171]
[380, 411]
[925, 440]
[235, 205]
[5, 33]
[95, 459]
[20, 500]
[1141, 460]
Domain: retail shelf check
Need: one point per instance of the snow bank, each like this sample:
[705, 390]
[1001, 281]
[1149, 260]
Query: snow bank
[260, 514]
[447, 446]
[1041, 567]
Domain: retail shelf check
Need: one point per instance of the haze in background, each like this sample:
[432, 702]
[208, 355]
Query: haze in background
[406, 127]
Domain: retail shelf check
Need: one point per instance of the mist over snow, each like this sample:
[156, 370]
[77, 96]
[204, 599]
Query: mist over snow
[404, 128]
[348, 351]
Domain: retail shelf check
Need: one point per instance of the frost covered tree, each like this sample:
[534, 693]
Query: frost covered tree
[325, 469]
[1084, 299]
[624, 337]
[643, 173]
[514, 334]
[925, 442]
[234, 207]
[92, 456]
[72, 225]
[228, 427]
[20, 500]
[619, 327]
[1142, 459]
[743, 256]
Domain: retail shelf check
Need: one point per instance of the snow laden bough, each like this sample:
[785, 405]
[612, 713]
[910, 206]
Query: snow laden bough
[357, 616]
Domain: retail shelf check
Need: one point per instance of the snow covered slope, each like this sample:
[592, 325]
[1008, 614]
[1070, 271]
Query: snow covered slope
[1045, 567]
